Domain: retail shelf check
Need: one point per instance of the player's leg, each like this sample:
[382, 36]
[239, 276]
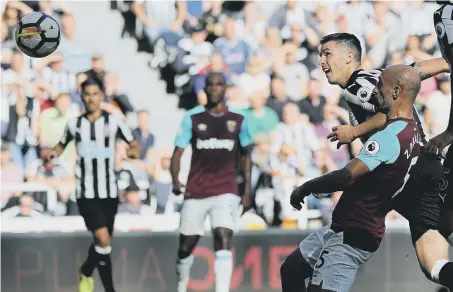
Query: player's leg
[193, 215]
[224, 213]
[297, 268]
[337, 265]
[103, 238]
[446, 218]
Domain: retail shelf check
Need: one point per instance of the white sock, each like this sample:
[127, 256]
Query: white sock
[223, 267]
[436, 270]
[183, 273]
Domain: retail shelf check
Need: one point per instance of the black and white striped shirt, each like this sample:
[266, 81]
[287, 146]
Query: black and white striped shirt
[96, 143]
[359, 93]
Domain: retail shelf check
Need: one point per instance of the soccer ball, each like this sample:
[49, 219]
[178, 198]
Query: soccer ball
[37, 35]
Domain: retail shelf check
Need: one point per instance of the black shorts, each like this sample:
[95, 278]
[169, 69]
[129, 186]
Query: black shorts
[420, 202]
[98, 213]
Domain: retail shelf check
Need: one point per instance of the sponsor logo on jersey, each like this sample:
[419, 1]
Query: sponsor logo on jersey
[214, 143]
[202, 127]
[372, 147]
[231, 126]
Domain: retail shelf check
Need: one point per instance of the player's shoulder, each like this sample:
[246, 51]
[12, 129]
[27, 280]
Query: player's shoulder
[194, 111]
[387, 137]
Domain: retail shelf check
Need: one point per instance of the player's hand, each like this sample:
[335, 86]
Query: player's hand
[178, 188]
[344, 134]
[298, 196]
[437, 144]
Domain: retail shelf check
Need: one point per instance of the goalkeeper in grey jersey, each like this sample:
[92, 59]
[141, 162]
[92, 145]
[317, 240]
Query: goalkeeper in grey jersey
[419, 202]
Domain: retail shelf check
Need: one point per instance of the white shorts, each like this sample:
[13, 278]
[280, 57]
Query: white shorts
[223, 210]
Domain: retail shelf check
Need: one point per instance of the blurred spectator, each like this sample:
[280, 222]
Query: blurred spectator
[17, 73]
[254, 78]
[332, 117]
[114, 96]
[143, 135]
[53, 73]
[11, 173]
[23, 127]
[53, 122]
[162, 181]
[301, 137]
[306, 41]
[438, 107]
[414, 52]
[287, 15]
[295, 74]
[133, 204]
[97, 70]
[44, 94]
[76, 94]
[26, 208]
[273, 49]
[261, 118]
[278, 96]
[14, 10]
[76, 56]
[160, 17]
[313, 104]
[210, 20]
[284, 169]
[234, 50]
[254, 25]
[54, 172]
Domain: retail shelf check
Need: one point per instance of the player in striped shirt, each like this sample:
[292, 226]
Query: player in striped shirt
[419, 201]
[443, 24]
[95, 134]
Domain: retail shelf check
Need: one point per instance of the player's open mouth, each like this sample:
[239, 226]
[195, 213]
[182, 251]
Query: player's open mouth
[326, 70]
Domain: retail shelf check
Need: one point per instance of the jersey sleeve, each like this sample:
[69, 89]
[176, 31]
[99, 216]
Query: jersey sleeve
[124, 132]
[244, 135]
[67, 134]
[381, 148]
[185, 132]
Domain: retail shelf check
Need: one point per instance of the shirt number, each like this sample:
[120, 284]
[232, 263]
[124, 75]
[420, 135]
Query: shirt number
[406, 178]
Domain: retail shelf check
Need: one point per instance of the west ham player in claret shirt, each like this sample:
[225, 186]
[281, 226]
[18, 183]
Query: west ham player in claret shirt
[420, 202]
[217, 135]
[332, 254]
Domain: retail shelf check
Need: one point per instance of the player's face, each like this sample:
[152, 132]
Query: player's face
[215, 89]
[333, 61]
[92, 97]
[383, 97]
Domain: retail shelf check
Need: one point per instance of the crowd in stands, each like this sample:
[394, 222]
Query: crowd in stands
[268, 53]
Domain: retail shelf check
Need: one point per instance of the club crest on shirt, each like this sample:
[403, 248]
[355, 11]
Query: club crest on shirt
[440, 29]
[231, 126]
[202, 127]
[372, 147]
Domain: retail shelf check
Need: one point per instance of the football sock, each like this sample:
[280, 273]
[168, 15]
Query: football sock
[105, 267]
[223, 267]
[295, 273]
[446, 276]
[183, 266]
[90, 263]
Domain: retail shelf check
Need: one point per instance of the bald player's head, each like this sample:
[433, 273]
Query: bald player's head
[402, 81]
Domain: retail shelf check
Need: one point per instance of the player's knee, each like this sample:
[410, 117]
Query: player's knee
[186, 245]
[222, 238]
[102, 237]
[293, 272]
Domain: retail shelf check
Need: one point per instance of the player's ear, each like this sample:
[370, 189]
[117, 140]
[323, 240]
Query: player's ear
[396, 92]
[349, 57]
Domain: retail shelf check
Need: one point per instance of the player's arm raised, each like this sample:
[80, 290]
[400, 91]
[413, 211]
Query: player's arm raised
[381, 148]
[181, 142]
[246, 146]
[431, 67]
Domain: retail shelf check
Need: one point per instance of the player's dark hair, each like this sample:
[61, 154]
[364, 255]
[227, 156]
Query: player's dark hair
[92, 81]
[348, 39]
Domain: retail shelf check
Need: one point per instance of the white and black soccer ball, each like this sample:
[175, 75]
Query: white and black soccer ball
[37, 35]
